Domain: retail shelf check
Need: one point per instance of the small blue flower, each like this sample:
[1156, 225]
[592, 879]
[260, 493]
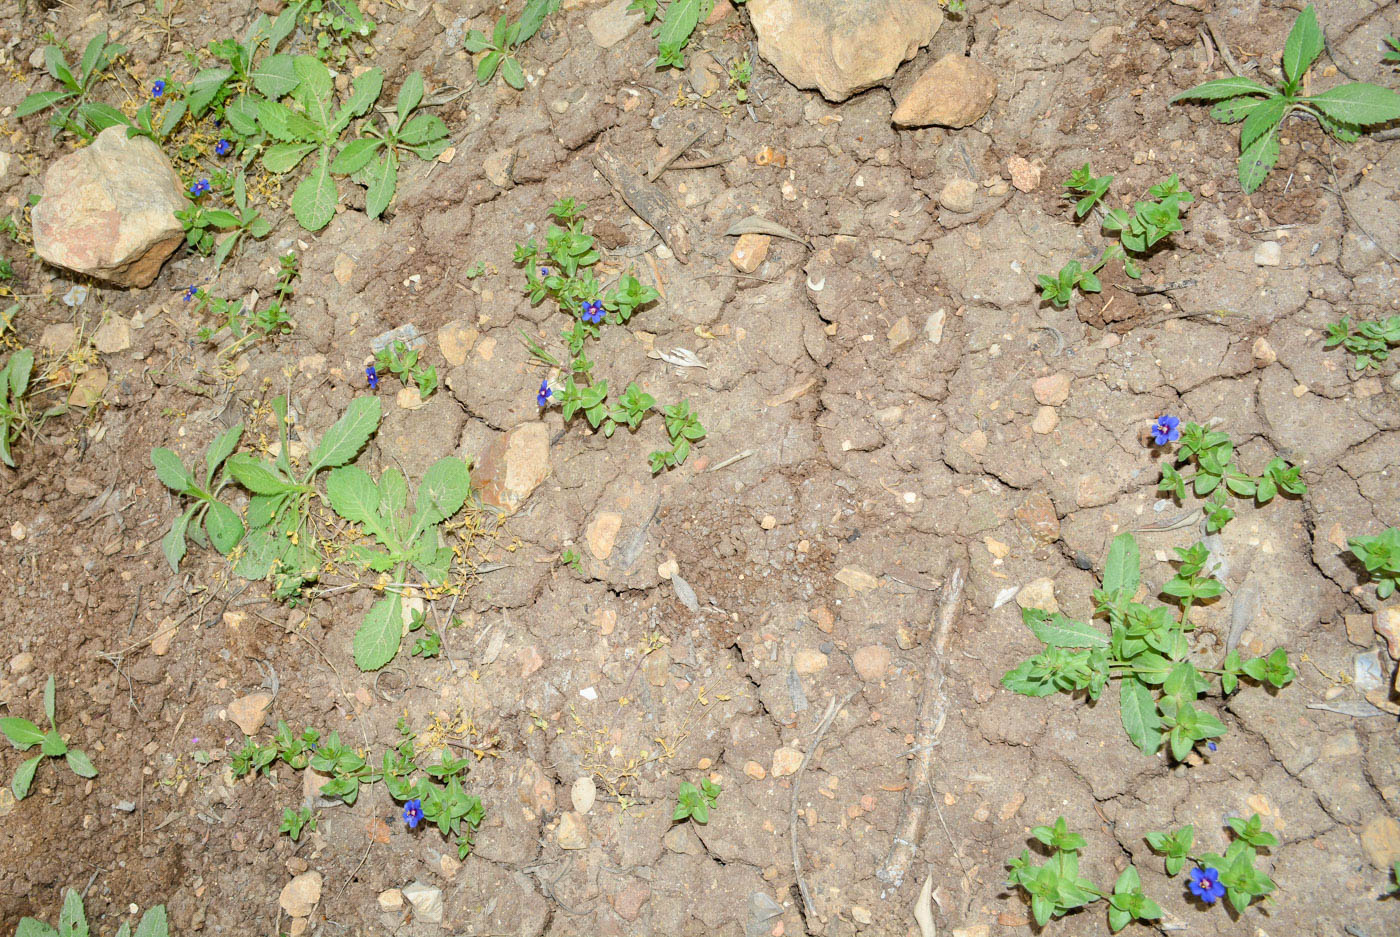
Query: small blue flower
[413, 813]
[191, 292]
[592, 312]
[542, 398]
[1212, 746]
[199, 188]
[1205, 885]
[157, 89]
[222, 148]
[372, 376]
[544, 271]
[1165, 430]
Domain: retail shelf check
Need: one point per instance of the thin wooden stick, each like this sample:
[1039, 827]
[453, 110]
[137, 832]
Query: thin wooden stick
[651, 203]
[832, 709]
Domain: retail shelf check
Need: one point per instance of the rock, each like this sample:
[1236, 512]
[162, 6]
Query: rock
[513, 466]
[343, 268]
[1046, 419]
[498, 167]
[1387, 625]
[300, 895]
[1052, 390]
[808, 661]
[22, 662]
[455, 341]
[250, 712]
[628, 902]
[1038, 593]
[871, 662]
[933, 326]
[953, 92]
[572, 832]
[680, 838]
[1268, 254]
[108, 210]
[408, 398]
[1025, 175]
[722, 9]
[959, 195]
[58, 338]
[426, 901]
[703, 74]
[861, 915]
[4, 164]
[785, 761]
[391, 900]
[535, 789]
[87, 389]
[750, 252]
[583, 794]
[755, 770]
[841, 48]
[900, 334]
[1263, 353]
[1037, 512]
[1381, 841]
[613, 23]
[602, 533]
[1359, 630]
[112, 336]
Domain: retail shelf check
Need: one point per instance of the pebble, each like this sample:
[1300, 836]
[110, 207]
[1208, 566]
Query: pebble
[1038, 593]
[300, 896]
[933, 326]
[871, 662]
[455, 341]
[513, 466]
[900, 334]
[250, 712]
[1380, 839]
[768, 522]
[1037, 513]
[959, 195]
[1025, 175]
[58, 338]
[1046, 419]
[861, 915]
[953, 92]
[1052, 389]
[1263, 353]
[807, 661]
[426, 901]
[785, 761]
[602, 532]
[583, 793]
[22, 662]
[112, 336]
[408, 398]
[755, 770]
[572, 832]
[823, 619]
[343, 268]
[391, 900]
[1268, 254]
[613, 23]
[750, 252]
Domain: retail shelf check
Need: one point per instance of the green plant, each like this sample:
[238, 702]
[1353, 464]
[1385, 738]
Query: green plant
[570, 558]
[200, 223]
[676, 24]
[561, 273]
[253, 72]
[1344, 111]
[1138, 233]
[207, 515]
[694, 803]
[505, 41]
[294, 821]
[72, 109]
[1392, 887]
[313, 126]
[246, 324]
[430, 645]
[436, 797]
[402, 362]
[1392, 55]
[1381, 557]
[374, 159]
[335, 24]
[24, 735]
[1370, 341]
[1146, 651]
[14, 390]
[72, 922]
[1242, 882]
[740, 74]
[293, 750]
[1212, 453]
[1056, 887]
[403, 539]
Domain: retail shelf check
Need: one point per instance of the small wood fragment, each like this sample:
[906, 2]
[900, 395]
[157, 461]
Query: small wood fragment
[651, 203]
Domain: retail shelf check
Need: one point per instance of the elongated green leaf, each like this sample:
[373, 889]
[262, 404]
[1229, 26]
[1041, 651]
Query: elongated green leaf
[272, 118]
[355, 156]
[682, 16]
[1222, 88]
[349, 434]
[487, 67]
[19, 367]
[53, 744]
[57, 66]
[224, 527]
[24, 777]
[442, 492]
[316, 196]
[1058, 631]
[219, 450]
[284, 157]
[282, 27]
[353, 494]
[1139, 715]
[22, 733]
[422, 129]
[364, 91]
[1121, 569]
[1360, 103]
[314, 88]
[513, 74]
[153, 922]
[383, 179]
[257, 476]
[377, 640]
[261, 550]
[1254, 166]
[171, 471]
[72, 922]
[80, 763]
[532, 18]
[91, 54]
[1303, 45]
[29, 927]
[410, 94]
[100, 116]
[39, 100]
[275, 76]
[1261, 120]
[204, 87]
[173, 543]
[1234, 110]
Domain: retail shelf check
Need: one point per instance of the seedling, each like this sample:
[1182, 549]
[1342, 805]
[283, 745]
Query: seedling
[1212, 453]
[1056, 887]
[206, 514]
[201, 223]
[336, 24]
[402, 362]
[1344, 111]
[505, 41]
[1392, 54]
[676, 24]
[437, 798]
[694, 803]
[374, 160]
[247, 324]
[72, 922]
[294, 821]
[72, 109]
[1370, 341]
[1231, 876]
[403, 540]
[430, 644]
[740, 74]
[24, 735]
[1150, 222]
[253, 72]
[1146, 651]
[14, 410]
[1381, 557]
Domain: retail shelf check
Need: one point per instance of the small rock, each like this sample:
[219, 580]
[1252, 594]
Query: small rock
[583, 794]
[1103, 39]
[959, 195]
[529, 660]
[1268, 254]
[534, 788]
[900, 334]
[628, 902]
[250, 712]
[1025, 175]
[572, 832]
[448, 866]
[722, 9]
[785, 761]
[391, 900]
[408, 398]
[703, 73]
[602, 533]
[871, 662]
[808, 661]
[953, 92]
[768, 522]
[343, 268]
[112, 336]
[513, 466]
[1037, 512]
[498, 167]
[1038, 593]
[108, 210]
[23, 662]
[1380, 839]
[750, 252]
[455, 341]
[1052, 389]
[1263, 353]
[1387, 624]
[657, 668]
[613, 23]
[426, 901]
[1359, 630]
[861, 915]
[1046, 419]
[300, 896]
[823, 619]
[755, 770]
[87, 389]
[933, 326]
[58, 338]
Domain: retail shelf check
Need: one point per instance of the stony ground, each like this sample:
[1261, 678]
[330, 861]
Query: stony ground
[904, 404]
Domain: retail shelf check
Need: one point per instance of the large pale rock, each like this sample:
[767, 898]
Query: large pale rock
[613, 23]
[108, 210]
[300, 896]
[841, 47]
[513, 466]
[953, 92]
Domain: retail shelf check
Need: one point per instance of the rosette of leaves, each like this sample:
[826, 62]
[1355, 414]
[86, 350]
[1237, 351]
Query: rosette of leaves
[444, 801]
[505, 41]
[24, 735]
[253, 72]
[208, 521]
[1381, 557]
[1056, 887]
[72, 922]
[72, 109]
[1370, 341]
[373, 159]
[677, 22]
[1243, 883]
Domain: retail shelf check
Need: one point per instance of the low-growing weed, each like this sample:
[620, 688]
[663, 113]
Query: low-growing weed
[1056, 887]
[335, 24]
[1146, 651]
[1231, 876]
[695, 803]
[24, 735]
[207, 520]
[294, 821]
[436, 796]
[1344, 111]
[675, 24]
[253, 71]
[201, 223]
[1392, 54]
[1369, 341]
[430, 644]
[260, 322]
[14, 396]
[72, 111]
[1211, 453]
[401, 361]
[505, 41]
[1381, 557]
[72, 922]
[373, 160]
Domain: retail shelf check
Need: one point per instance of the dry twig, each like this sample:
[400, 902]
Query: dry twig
[832, 709]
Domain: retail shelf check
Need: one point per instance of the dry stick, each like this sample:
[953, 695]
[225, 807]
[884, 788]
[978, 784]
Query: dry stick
[932, 710]
[1219, 40]
[667, 156]
[832, 709]
[651, 203]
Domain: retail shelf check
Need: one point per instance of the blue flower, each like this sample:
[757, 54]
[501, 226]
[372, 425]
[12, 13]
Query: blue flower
[544, 271]
[372, 376]
[1205, 885]
[592, 312]
[199, 188]
[413, 813]
[191, 292]
[222, 147]
[1211, 745]
[1165, 431]
[542, 398]
[157, 89]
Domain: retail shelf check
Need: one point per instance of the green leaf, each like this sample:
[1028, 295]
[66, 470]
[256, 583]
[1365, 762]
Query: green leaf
[383, 180]
[91, 54]
[101, 116]
[275, 76]
[532, 18]
[153, 923]
[219, 450]
[53, 744]
[410, 94]
[487, 66]
[314, 88]
[72, 922]
[1303, 45]
[377, 640]
[204, 87]
[80, 763]
[1058, 631]
[423, 129]
[355, 156]
[315, 197]
[257, 476]
[349, 434]
[1139, 714]
[353, 495]
[49, 699]
[1262, 119]
[1254, 166]
[513, 74]
[1121, 569]
[173, 543]
[24, 777]
[284, 157]
[22, 733]
[223, 526]
[171, 471]
[442, 492]
[29, 927]
[1360, 103]
[39, 100]
[364, 91]
[1222, 88]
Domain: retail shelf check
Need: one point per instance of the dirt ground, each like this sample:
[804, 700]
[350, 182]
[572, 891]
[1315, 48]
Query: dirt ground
[878, 379]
